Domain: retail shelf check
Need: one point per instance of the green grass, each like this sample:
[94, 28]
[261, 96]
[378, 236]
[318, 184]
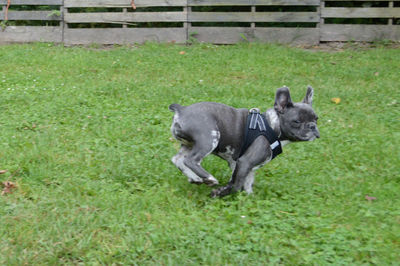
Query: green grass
[85, 133]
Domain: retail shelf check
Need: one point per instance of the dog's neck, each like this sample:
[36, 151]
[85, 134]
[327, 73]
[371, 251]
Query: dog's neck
[275, 124]
[273, 121]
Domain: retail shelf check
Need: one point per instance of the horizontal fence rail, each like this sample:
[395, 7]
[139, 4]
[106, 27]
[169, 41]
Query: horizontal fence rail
[182, 21]
[370, 21]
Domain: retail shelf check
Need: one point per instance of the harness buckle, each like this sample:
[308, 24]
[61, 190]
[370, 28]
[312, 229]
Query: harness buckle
[254, 111]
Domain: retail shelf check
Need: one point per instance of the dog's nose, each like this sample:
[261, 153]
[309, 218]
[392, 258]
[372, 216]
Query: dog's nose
[313, 127]
[316, 133]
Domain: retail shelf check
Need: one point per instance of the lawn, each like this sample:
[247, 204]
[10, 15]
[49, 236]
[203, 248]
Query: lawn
[85, 135]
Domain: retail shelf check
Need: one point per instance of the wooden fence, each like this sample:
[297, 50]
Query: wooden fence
[214, 21]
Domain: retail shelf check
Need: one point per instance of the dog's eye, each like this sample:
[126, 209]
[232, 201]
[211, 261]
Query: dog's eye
[296, 123]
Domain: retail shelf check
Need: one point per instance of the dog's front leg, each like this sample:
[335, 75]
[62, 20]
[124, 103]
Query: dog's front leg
[242, 171]
[243, 175]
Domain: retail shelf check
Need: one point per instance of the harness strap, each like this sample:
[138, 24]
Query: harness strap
[257, 125]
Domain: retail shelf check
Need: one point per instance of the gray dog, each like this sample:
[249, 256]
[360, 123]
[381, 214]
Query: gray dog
[206, 127]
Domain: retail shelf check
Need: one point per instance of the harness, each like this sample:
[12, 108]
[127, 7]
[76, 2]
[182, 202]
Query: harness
[257, 125]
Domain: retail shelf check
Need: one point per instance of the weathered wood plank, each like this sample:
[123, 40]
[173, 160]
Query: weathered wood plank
[31, 15]
[123, 3]
[356, 0]
[23, 34]
[125, 17]
[146, 3]
[124, 36]
[253, 17]
[367, 33]
[221, 35]
[370, 12]
[226, 35]
[252, 2]
[33, 2]
[288, 35]
[193, 17]
[286, 2]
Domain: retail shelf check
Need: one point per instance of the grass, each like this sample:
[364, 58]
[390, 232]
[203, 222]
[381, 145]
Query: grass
[85, 135]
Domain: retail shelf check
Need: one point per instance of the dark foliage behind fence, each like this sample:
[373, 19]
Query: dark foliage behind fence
[214, 21]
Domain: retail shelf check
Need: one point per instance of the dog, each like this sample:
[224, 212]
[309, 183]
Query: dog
[213, 128]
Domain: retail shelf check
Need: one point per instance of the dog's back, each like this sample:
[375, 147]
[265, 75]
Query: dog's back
[194, 121]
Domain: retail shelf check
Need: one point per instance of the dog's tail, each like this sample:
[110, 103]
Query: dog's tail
[175, 107]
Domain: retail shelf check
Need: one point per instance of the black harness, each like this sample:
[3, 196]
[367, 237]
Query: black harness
[257, 125]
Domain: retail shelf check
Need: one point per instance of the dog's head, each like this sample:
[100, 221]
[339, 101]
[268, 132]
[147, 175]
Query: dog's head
[298, 121]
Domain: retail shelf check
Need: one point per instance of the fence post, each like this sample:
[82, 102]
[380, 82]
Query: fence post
[62, 22]
[321, 19]
[252, 24]
[4, 10]
[390, 21]
[187, 25]
[124, 10]
[253, 10]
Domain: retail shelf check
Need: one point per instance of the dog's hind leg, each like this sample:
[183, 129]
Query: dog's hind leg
[178, 161]
[202, 147]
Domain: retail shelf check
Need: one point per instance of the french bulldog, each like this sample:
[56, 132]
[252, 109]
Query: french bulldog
[213, 128]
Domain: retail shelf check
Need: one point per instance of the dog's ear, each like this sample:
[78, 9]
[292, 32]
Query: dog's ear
[282, 100]
[309, 95]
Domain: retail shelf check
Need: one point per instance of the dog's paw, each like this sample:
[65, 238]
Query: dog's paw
[221, 192]
[211, 181]
[214, 193]
[196, 182]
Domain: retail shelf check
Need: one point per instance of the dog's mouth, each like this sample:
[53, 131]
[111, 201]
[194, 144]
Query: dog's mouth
[310, 136]
[314, 136]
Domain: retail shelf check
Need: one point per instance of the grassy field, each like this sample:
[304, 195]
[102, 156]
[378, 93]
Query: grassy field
[85, 135]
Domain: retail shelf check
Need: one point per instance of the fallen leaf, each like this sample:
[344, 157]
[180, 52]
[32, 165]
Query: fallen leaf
[369, 198]
[133, 4]
[8, 186]
[336, 100]
[3, 171]
[182, 52]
